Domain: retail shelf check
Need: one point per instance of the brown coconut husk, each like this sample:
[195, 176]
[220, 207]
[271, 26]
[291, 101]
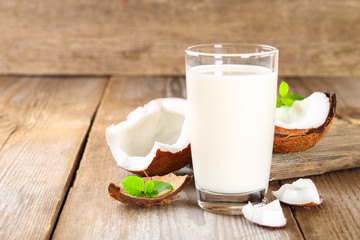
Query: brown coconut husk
[296, 140]
[310, 204]
[166, 162]
[178, 183]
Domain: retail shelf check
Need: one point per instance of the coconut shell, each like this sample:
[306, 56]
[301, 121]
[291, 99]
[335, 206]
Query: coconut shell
[178, 183]
[297, 140]
[166, 162]
[310, 204]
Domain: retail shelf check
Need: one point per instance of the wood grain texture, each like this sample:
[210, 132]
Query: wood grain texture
[338, 149]
[315, 38]
[7, 125]
[338, 217]
[89, 212]
[49, 119]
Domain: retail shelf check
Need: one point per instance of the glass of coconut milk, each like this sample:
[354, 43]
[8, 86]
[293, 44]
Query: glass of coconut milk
[231, 92]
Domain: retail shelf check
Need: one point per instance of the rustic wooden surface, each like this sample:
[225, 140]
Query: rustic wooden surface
[339, 149]
[339, 215]
[315, 38]
[88, 201]
[45, 123]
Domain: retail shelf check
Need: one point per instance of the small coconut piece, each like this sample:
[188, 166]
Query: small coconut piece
[269, 215]
[154, 138]
[301, 126]
[302, 192]
[178, 183]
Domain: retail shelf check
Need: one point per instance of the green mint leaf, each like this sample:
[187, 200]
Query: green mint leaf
[278, 102]
[287, 101]
[279, 105]
[133, 185]
[285, 98]
[153, 188]
[149, 189]
[294, 96]
[149, 186]
[283, 89]
[162, 186]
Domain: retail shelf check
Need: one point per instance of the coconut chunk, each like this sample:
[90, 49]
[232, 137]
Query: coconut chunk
[308, 113]
[269, 215]
[290, 134]
[155, 132]
[302, 192]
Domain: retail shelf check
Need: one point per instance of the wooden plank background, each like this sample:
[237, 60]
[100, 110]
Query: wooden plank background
[148, 37]
[46, 121]
[89, 211]
[338, 217]
[339, 149]
[130, 52]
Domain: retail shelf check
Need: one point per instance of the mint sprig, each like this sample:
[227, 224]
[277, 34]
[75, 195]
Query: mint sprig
[135, 186]
[284, 98]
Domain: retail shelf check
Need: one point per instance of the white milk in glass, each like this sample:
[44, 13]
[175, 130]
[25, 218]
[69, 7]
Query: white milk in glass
[231, 114]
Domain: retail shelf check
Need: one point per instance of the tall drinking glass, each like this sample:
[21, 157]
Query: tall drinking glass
[231, 92]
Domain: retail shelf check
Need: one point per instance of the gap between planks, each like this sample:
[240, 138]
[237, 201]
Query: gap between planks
[291, 210]
[90, 213]
[89, 130]
[79, 156]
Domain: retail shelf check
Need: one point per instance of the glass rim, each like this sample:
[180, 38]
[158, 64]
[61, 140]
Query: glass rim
[268, 50]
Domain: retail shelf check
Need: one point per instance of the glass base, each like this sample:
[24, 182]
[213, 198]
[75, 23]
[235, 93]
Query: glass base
[228, 203]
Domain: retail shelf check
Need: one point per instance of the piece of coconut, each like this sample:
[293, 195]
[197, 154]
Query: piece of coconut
[302, 125]
[302, 192]
[178, 183]
[269, 215]
[154, 138]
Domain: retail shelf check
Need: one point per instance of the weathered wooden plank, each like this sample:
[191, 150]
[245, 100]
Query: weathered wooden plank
[315, 38]
[7, 126]
[38, 161]
[338, 149]
[338, 217]
[89, 212]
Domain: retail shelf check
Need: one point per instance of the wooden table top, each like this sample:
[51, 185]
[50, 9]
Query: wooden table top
[55, 165]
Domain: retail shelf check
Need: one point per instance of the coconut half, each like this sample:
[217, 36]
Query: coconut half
[269, 215]
[178, 183]
[302, 125]
[302, 192]
[154, 138]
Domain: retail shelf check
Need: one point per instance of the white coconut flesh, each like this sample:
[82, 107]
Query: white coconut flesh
[270, 215]
[157, 125]
[308, 113]
[300, 192]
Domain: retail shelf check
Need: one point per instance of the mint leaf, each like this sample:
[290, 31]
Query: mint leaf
[283, 88]
[162, 186]
[285, 98]
[149, 189]
[133, 185]
[153, 188]
[294, 96]
[278, 102]
[287, 101]
[149, 186]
